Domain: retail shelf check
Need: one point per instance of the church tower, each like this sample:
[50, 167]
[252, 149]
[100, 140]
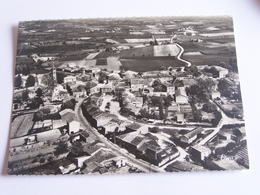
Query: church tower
[54, 75]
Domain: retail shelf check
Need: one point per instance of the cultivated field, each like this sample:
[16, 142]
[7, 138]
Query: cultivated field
[139, 40]
[218, 34]
[166, 50]
[21, 125]
[135, 52]
[142, 65]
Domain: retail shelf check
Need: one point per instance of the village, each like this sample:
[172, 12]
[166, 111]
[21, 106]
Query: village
[113, 112]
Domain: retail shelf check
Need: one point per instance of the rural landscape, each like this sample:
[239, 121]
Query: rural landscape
[127, 95]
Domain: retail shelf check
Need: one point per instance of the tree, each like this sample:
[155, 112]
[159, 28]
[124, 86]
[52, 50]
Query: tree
[18, 81]
[230, 146]
[197, 116]
[61, 148]
[144, 113]
[225, 87]
[76, 149]
[167, 101]
[47, 80]
[102, 77]
[209, 107]
[30, 81]
[39, 64]
[60, 77]
[70, 104]
[39, 92]
[201, 92]
[25, 95]
[217, 118]
[36, 102]
[69, 89]
[161, 114]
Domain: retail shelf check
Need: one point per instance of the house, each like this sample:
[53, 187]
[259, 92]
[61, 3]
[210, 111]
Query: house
[74, 126]
[138, 83]
[97, 162]
[165, 76]
[138, 101]
[181, 96]
[68, 115]
[42, 125]
[180, 117]
[137, 128]
[215, 94]
[200, 152]
[69, 79]
[130, 74]
[67, 168]
[79, 91]
[222, 72]
[114, 78]
[59, 93]
[146, 147]
[170, 88]
[106, 88]
[191, 136]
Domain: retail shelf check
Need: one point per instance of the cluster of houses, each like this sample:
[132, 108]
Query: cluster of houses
[129, 135]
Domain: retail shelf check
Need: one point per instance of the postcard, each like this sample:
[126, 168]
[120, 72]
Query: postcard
[127, 95]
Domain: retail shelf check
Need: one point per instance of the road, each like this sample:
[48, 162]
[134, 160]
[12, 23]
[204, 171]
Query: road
[140, 164]
[179, 55]
[224, 121]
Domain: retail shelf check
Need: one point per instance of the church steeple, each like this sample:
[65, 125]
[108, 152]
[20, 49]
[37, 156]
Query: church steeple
[54, 74]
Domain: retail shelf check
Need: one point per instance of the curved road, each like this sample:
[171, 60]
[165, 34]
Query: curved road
[140, 164]
[179, 55]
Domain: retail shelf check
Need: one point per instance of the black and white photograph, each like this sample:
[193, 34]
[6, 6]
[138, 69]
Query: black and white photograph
[127, 95]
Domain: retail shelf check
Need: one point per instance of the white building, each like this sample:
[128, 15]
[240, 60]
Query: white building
[69, 79]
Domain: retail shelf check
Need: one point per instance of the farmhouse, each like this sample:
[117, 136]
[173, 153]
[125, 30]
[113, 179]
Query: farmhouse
[200, 152]
[146, 146]
[222, 72]
[189, 137]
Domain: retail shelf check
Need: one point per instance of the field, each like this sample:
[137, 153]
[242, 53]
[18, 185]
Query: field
[166, 50]
[208, 59]
[142, 65]
[101, 62]
[135, 52]
[218, 34]
[21, 125]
